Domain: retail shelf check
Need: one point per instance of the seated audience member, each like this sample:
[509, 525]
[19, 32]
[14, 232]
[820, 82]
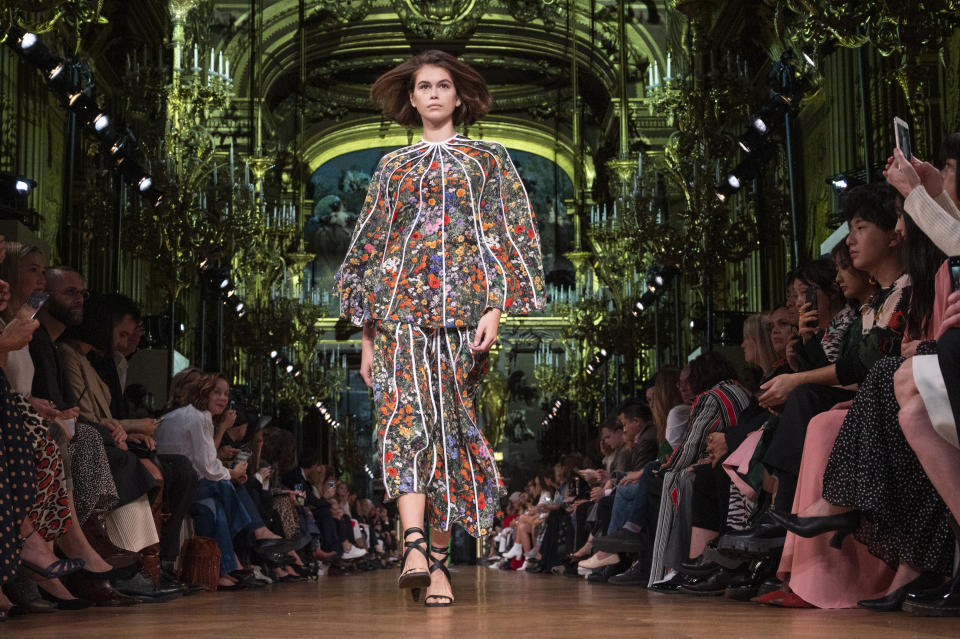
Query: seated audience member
[108, 359]
[821, 329]
[928, 389]
[558, 536]
[856, 285]
[757, 344]
[928, 385]
[96, 487]
[720, 401]
[343, 498]
[32, 472]
[278, 507]
[546, 527]
[630, 517]
[530, 521]
[312, 478]
[640, 433]
[875, 246]
[172, 476]
[783, 330]
[615, 459]
[18, 481]
[669, 408]
[219, 510]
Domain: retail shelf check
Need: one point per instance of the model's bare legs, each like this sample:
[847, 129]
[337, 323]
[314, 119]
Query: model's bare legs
[411, 507]
[438, 581]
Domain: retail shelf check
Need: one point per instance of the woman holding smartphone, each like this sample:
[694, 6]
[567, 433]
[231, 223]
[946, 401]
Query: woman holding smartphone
[445, 244]
[189, 430]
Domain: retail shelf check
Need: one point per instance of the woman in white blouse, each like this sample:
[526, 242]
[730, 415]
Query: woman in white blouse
[220, 510]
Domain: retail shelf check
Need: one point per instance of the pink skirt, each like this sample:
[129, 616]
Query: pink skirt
[737, 463]
[821, 575]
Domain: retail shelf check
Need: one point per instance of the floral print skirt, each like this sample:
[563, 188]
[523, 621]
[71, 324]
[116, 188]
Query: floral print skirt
[424, 381]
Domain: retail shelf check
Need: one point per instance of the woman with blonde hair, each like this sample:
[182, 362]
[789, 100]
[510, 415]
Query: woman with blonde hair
[757, 345]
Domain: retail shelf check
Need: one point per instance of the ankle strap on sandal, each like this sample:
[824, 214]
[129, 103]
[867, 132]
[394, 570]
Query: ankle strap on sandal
[414, 530]
[440, 550]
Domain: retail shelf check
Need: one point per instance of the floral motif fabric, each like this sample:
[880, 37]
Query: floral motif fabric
[446, 232]
[424, 382]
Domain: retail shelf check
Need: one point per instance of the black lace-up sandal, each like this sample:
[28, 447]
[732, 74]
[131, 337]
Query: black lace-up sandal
[439, 601]
[414, 579]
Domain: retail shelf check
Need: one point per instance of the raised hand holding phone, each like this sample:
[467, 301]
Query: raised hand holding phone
[29, 309]
[902, 134]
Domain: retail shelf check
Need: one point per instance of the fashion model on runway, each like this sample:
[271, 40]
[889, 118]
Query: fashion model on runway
[445, 244]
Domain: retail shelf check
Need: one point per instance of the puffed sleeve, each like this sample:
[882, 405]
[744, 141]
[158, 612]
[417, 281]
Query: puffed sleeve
[354, 282]
[517, 240]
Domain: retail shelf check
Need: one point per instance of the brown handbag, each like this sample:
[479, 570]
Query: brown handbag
[200, 562]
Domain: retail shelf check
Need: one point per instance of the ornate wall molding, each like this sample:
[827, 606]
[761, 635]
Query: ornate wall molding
[440, 19]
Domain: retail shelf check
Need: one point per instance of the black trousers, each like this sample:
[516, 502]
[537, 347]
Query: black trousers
[604, 511]
[330, 540]
[582, 529]
[554, 545]
[345, 530]
[786, 448]
[179, 486]
[711, 497]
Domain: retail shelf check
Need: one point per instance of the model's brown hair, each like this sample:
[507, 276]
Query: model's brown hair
[391, 91]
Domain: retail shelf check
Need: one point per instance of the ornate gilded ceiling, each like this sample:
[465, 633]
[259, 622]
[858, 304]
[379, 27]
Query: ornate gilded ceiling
[523, 47]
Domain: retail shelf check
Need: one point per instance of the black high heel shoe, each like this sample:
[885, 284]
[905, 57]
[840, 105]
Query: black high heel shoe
[841, 525]
[414, 579]
[439, 564]
[894, 601]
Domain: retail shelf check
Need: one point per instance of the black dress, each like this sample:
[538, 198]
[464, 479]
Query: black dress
[18, 479]
[873, 469]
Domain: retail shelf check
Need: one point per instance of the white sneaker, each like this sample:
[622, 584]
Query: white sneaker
[514, 553]
[528, 565]
[322, 570]
[353, 553]
[259, 574]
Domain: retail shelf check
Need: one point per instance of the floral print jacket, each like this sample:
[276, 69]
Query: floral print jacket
[446, 233]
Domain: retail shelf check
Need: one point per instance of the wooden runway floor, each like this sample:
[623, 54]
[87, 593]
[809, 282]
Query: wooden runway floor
[491, 603]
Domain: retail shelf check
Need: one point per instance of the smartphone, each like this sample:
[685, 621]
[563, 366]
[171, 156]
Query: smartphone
[812, 297]
[954, 264]
[331, 483]
[242, 456]
[902, 132]
[32, 305]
